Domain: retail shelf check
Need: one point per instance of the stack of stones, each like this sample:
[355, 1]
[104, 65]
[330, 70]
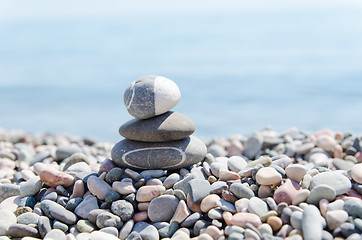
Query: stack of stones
[157, 138]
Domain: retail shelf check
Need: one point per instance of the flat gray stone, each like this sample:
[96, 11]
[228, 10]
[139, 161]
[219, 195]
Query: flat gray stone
[31, 187]
[257, 206]
[28, 218]
[162, 208]
[126, 229]
[199, 189]
[191, 220]
[353, 206]
[123, 209]
[88, 204]
[22, 230]
[110, 230]
[169, 126]
[226, 206]
[342, 164]
[64, 151]
[150, 96]
[321, 192]
[79, 167]
[183, 184]
[171, 180]
[9, 190]
[58, 212]
[241, 191]
[340, 183]
[146, 231]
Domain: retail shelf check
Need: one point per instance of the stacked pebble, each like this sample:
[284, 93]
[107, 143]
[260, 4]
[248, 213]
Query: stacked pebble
[157, 138]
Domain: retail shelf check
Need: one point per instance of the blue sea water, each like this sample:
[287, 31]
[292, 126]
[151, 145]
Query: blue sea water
[237, 72]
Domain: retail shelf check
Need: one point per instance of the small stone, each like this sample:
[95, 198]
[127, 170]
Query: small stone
[252, 146]
[75, 158]
[73, 203]
[110, 230]
[179, 194]
[301, 196]
[7, 218]
[171, 180]
[89, 203]
[126, 229]
[107, 219]
[147, 193]
[134, 236]
[286, 192]
[28, 218]
[268, 176]
[85, 226]
[61, 226]
[150, 96]
[79, 167]
[335, 218]
[199, 189]
[353, 206]
[326, 142]
[236, 163]
[215, 214]
[242, 218]
[78, 189]
[296, 219]
[295, 172]
[124, 187]
[58, 212]
[54, 178]
[115, 174]
[311, 223]
[241, 191]
[184, 183]
[9, 190]
[275, 223]
[209, 202]
[123, 209]
[162, 208]
[356, 173]
[321, 192]
[200, 224]
[92, 216]
[98, 187]
[181, 212]
[226, 175]
[44, 226]
[340, 183]
[107, 165]
[169, 230]
[169, 126]
[140, 216]
[65, 151]
[257, 206]
[164, 155]
[22, 230]
[112, 196]
[341, 164]
[31, 187]
[146, 231]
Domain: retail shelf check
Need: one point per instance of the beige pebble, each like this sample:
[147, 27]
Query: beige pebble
[241, 204]
[323, 204]
[227, 216]
[356, 173]
[11, 203]
[143, 206]
[209, 202]
[214, 232]
[27, 174]
[181, 234]
[195, 207]
[338, 152]
[181, 213]
[78, 189]
[54, 178]
[204, 236]
[140, 216]
[275, 223]
[269, 214]
[295, 172]
[124, 187]
[268, 176]
[226, 175]
[335, 218]
[147, 193]
[241, 219]
[326, 142]
[301, 196]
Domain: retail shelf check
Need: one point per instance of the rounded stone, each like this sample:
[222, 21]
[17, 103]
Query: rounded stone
[312, 223]
[58, 212]
[7, 218]
[241, 191]
[169, 126]
[340, 183]
[28, 218]
[163, 155]
[150, 96]
[123, 209]
[31, 187]
[321, 192]
[115, 174]
[98, 187]
[162, 208]
[107, 219]
[54, 178]
[149, 192]
[257, 206]
[146, 231]
[209, 202]
[55, 234]
[335, 218]
[9, 190]
[295, 172]
[22, 230]
[242, 218]
[268, 176]
[88, 204]
[286, 192]
[124, 187]
[356, 173]
[85, 226]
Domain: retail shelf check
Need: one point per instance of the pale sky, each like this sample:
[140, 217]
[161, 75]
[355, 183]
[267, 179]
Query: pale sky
[25, 9]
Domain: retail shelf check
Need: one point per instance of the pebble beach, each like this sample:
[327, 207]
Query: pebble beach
[159, 182]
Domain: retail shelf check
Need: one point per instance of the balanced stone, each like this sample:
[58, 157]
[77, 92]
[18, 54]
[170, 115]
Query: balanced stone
[150, 96]
[164, 155]
[166, 127]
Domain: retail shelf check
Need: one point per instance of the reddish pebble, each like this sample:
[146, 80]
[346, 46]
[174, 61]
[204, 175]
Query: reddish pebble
[55, 178]
[107, 165]
[147, 193]
[241, 219]
[286, 192]
[140, 216]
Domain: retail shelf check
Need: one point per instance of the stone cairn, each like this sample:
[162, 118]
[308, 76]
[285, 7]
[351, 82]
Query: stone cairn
[156, 138]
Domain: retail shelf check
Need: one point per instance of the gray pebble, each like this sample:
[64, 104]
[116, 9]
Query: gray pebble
[191, 220]
[216, 151]
[126, 229]
[354, 207]
[146, 231]
[44, 225]
[168, 231]
[171, 180]
[319, 192]
[123, 209]
[110, 230]
[112, 196]
[253, 146]
[348, 229]
[311, 223]
[199, 189]
[226, 206]
[58, 212]
[162, 208]
[107, 219]
[31, 187]
[241, 191]
[340, 183]
[22, 230]
[9, 190]
[215, 213]
[183, 185]
[134, 236]
[179, 194]
[115, 174]
[218, 187]
[61, 226]
[64, 151]
[236, 236]
[257, 206]
[56, 234]
[199, 225]
[296, 219]
[236, 163]
[73, 203]
[28, 218]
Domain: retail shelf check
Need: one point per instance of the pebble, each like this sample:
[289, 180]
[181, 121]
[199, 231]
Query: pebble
[98, 187]
[301, 196]
[242, 218]
[286, 192]
[311, 223]
[85, 226]
[199, 189]
[58, 212]
[181, 212]
[7, 218]
[356, 173]
[163, 155]
[209, 202]
[335, 218]
[54, 178]
[340, 183]
[275, 223]
[241, 191]
[88, 204]
[99, 235]
[64, 151]
[147, 193]
[123, 209]
[126, 229]
[31, 187]
[124, 187]
[110, 230]
[191, 220]
[257, 206]
[9, 190]
[146, 231]
[321, 192]
[295, 172]
[268, 176]
[79, 167]
[28, 218]
[162, 208]
[252, 146]
[107, 219]
[169, 126]
[22, 230]
[150, 96]
[236, 163]
[353, 206]
[44, 226]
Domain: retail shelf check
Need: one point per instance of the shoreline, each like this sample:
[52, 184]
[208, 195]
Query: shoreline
[258, 186]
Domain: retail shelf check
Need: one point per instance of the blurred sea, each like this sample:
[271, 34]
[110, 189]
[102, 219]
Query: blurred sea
[237, 72]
